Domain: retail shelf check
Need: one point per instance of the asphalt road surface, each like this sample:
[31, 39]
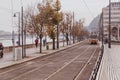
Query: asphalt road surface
[75, 63]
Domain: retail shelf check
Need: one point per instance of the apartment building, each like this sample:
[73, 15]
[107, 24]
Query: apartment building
[115, 21]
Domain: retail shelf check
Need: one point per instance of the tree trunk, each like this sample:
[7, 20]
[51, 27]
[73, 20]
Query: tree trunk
[73, 39]
[53, 43]
[63, 40]
[67, 38]
[40, 44]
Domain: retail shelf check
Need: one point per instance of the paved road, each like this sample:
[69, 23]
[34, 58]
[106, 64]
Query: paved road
[75, 63]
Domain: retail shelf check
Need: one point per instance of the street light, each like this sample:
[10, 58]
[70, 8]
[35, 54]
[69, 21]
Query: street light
[15, 14]
[109, 42]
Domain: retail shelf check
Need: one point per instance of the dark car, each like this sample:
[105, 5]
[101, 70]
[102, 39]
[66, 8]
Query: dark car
[1, 50]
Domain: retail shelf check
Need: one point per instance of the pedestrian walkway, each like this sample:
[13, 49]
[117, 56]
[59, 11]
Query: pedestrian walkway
[110, 65]
[31, 53]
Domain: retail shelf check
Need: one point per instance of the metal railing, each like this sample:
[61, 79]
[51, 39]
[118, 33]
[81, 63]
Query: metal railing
[97, 65]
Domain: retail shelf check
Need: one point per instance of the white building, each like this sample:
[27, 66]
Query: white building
[115, 21]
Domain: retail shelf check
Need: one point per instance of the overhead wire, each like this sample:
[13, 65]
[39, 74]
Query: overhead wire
[88, 8]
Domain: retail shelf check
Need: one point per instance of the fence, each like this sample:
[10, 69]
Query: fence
[10, 48]
[97, 65]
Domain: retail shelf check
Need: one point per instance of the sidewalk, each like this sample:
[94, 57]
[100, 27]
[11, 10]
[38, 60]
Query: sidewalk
[31, 53]
[110, 65]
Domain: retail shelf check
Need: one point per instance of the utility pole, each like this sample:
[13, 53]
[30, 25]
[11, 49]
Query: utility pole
[57, 37]
[57, 30]
[102, 28]
[22, 31]
[73, 30]
[109, 41]
[19, 29]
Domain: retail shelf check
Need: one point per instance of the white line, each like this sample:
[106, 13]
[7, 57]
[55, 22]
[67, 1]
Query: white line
[27, 64]
[12, 69]
[15, 78]
[65, 65]
[33, 69]
[85, 65]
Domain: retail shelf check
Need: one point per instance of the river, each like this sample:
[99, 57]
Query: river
[29, 40]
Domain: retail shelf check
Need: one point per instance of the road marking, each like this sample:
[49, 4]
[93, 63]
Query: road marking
[15, 78]
[36, 69]
[31, 64]
[85, 65]
[65, 65]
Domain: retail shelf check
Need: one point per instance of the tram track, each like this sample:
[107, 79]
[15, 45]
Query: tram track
[51, 66]
[78, 75]
[71, 66]
[66, 63]
[37, 60]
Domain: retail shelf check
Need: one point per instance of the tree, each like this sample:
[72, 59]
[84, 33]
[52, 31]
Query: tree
[78, 29]
[54, 17]
[26, 24]
[35, 22]
[62, 29]
[47, 16]
[65, 27]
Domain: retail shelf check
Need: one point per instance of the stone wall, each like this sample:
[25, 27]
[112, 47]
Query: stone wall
[10, 48]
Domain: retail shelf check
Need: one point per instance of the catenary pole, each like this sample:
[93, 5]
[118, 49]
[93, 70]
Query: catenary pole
[109, 36]
[57, 30]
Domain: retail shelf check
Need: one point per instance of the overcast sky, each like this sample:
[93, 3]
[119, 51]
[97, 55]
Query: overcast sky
[87, 9]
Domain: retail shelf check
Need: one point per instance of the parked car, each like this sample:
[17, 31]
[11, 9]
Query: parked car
[1, 50]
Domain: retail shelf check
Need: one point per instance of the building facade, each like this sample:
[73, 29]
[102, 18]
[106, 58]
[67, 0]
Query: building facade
[115, 21]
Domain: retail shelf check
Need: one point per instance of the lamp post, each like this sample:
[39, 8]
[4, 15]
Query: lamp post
[13, 34]
[18, 26]
[109, 41]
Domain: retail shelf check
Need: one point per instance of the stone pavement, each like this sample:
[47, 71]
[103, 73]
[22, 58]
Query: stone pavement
[31, 53]
[110, 65]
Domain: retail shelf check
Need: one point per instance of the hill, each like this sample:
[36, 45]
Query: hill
[4, 34]
[94, 24]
